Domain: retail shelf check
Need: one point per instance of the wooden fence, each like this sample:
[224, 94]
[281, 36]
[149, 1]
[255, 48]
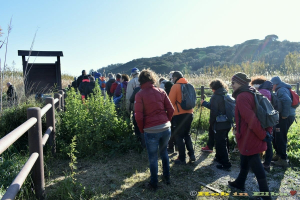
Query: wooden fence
[202, 90]
[36, 141]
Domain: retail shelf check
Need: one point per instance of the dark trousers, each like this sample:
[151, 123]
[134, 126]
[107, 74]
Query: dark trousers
[280, 136]
[269, 154]
[172, 141]
[140, 137]
[254, 163]
[221, 139]
[211, 139]
[182, 125]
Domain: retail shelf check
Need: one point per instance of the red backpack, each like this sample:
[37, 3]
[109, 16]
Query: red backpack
[295, 99]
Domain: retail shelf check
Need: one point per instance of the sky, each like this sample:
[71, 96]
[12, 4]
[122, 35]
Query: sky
[96, 33]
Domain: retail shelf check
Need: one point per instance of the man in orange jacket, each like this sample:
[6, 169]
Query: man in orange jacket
[181, 121]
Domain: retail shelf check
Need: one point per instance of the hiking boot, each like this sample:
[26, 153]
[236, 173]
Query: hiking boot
[206, 149]
[151, 187]
[170, 150]
[192, 158]
[275, 158]
[179, 162]
[233, 184]
[224, 167]
[281, 163]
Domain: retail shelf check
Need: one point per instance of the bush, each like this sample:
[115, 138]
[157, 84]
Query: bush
[96, 125]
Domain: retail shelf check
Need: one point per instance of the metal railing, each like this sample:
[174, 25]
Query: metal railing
[202, 89]
[36, 141]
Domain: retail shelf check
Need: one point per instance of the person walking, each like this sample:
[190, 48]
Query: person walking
[80, 78]
[220, 128]
[121, 90]
[153, 112]
[182, 120]
[83, 87]
[109, 83]
[249, 135]
[286, 119]
[132, 84]
[115, 84]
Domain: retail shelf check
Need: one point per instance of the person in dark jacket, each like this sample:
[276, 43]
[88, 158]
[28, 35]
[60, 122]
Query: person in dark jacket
[83, 87]
[109, 84]
[12, 97]
[249, 134]
[220, 129]
[265, 87]
[80, 78]
[168, 86]
[286, 119]
[90, 87]
[153, 112]
[74, 84]
[140, 137]
[121, 89]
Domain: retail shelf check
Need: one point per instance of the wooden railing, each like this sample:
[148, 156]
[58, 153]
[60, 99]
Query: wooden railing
[202, 88]
[36, 141]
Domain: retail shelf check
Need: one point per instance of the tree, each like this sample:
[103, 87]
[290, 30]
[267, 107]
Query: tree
[271, 37]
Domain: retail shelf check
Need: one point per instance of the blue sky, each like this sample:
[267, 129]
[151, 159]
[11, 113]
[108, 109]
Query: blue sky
[94, 34]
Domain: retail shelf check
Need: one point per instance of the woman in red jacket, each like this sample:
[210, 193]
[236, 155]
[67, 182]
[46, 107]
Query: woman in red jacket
[153, 113]
[250, 134]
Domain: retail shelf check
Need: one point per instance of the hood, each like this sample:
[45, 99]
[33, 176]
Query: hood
[284, 85]
[268, 85]
[85, 80]
[111, 80]
[148, 84]
[221, 91]
[182, 80]
[244, 88]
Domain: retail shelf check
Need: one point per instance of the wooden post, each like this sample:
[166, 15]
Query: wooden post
[58, 105]
[36, 146]
[202, 92]
[62, 99]
[50, 121]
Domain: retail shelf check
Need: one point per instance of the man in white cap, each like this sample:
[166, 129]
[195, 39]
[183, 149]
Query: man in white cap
[132, 84]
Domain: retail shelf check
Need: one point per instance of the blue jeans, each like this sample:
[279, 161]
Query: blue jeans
[153, 141]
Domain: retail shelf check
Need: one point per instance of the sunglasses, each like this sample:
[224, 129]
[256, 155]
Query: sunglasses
[232, 83]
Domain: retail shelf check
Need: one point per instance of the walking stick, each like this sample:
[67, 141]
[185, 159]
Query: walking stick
[202, 97]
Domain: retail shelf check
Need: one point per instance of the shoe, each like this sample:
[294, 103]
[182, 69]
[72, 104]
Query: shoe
[166, 180]
[217, 160]
[179, 162]
[149, 186]
[224, 167]
[192, 158]
[206, 149]
[233, 184]
[266, 167]
[281, 163]
[170, 150]
[275, 158]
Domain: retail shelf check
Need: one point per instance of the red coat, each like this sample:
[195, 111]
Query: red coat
[249, 130]
[152, 107]
[114, 86]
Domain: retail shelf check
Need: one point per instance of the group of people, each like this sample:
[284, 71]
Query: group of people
[162, 123]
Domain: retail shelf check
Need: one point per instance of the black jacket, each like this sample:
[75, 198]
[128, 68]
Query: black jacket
[108, 86]
[217, 107]
[90, 89]
[132, 98]
[79, 80]
[83, 88]
[11, 93]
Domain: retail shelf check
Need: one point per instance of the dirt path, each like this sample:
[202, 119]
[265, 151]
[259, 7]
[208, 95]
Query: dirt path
[124, 177]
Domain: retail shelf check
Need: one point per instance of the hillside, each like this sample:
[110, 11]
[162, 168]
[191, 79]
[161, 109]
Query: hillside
[269, 50]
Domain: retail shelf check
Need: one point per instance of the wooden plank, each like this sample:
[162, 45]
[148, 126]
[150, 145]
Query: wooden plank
[40, 53]
[211, 188]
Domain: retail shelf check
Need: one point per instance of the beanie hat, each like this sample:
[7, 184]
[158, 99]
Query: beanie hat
[177, 74]
[135, 71]
[241, 78]
[276, 80]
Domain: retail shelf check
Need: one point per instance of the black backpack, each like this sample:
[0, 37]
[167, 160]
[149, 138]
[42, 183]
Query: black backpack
[188, 97]
[230, 108]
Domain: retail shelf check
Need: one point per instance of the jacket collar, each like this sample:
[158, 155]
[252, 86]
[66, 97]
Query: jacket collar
[181, 80]
[243, 88]
[148, 84]
[220, 91]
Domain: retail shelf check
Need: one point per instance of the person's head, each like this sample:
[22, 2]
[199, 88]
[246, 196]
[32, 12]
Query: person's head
[171, 75]
[238, 80]
[85, 77]
[176, 75]
[83, 72]
[92, 79]
[168, 86]
[135, 71]
[161, 80]
[124, 77]
[216, 84]
[275, 80]
[256, 81]
[8, 84]
[75, 78]
[147, 75]
[110, 76]
[118, 76]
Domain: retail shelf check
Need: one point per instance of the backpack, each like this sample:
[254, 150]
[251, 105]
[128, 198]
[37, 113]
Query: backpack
[277, 104]
[295, 99]
[102, 83]
[117, 100]
[230, 108]
[188, 97]
[265, 112]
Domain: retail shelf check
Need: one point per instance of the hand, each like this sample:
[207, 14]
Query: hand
[202, 102]
[283, 117]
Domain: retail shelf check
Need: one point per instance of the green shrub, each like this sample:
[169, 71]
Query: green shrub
[96, 125]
